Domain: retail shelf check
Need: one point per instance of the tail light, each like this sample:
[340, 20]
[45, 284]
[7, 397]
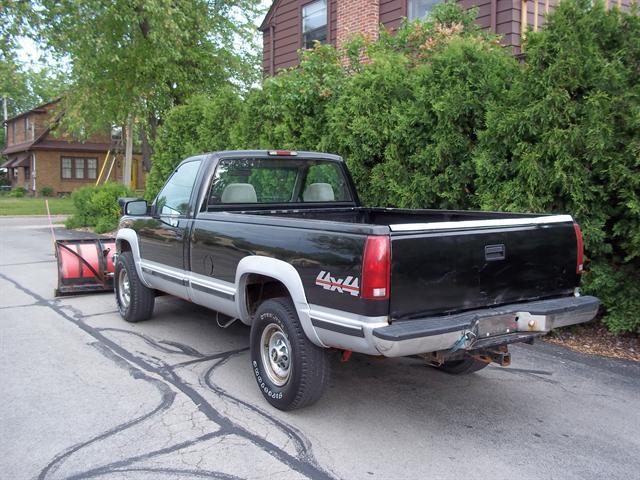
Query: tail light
[579, 249]
[376, 268]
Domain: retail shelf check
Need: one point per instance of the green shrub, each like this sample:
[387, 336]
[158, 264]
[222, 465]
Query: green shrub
[97, 206]
[18, 192]
[408, 121]
[46, 191]
[290, 110]
[566, 138]
[201, 125]
[618, 287]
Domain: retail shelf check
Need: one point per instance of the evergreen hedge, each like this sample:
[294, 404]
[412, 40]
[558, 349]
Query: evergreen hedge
[440, 115]
[566, 138]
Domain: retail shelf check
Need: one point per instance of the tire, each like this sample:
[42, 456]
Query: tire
[135, 300]
[291, 372]
[462, 367]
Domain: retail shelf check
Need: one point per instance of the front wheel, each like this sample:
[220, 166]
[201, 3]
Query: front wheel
[135, 300]
[291, 371]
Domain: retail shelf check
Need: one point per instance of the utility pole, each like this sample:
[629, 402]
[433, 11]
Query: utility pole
[5, 116]
[128, 154]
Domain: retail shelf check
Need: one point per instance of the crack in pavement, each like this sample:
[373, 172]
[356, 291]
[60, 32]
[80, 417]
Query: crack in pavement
[303, 462]
[176, 471]
[26, 263]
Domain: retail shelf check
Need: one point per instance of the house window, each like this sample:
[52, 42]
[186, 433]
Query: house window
[419, 9]
[26, 128]
[27, 173]
[314, 23]
[92, 167]
[73, 168]
[67, 168]
[116, 133]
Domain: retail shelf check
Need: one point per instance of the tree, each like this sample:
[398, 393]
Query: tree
[409, 119]
[202, 124]
[566, 138]
[24, 89]
[136, 59]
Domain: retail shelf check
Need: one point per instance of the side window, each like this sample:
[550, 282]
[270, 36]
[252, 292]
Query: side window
[174, 197]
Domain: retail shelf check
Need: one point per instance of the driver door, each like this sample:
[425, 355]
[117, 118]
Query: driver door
[162, 239]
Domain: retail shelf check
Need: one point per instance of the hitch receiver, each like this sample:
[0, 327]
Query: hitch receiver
[499, 355]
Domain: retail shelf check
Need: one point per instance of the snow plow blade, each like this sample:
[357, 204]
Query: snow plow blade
[85, 266]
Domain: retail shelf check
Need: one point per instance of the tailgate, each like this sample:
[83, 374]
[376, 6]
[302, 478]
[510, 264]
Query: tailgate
[440, 268]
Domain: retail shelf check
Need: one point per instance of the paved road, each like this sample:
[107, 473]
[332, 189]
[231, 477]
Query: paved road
[86, 395]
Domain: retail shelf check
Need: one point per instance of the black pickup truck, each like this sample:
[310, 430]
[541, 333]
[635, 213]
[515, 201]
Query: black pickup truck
[280, 241]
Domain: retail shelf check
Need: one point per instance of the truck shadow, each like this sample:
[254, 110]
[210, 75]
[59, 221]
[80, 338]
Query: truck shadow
[422, 394]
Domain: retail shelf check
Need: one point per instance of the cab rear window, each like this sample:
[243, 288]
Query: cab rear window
[278, 181]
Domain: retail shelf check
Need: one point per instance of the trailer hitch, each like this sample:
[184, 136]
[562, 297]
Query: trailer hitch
[499, 355]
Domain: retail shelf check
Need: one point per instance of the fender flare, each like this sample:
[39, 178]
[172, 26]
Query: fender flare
[131, 237]
[288, 276]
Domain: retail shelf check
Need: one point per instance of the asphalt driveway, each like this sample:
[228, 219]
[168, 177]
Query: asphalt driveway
[86, 395]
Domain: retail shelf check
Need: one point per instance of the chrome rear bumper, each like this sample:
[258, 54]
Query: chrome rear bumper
[516, 322]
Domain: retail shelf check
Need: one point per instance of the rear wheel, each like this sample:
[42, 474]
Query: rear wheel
[135, 300]
[291, 371]
[462, 367]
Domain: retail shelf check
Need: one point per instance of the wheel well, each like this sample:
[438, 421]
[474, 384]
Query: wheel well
[259, 288]
[123, 246]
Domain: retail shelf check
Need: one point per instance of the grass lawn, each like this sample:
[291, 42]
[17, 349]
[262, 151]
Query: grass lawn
[35, 206]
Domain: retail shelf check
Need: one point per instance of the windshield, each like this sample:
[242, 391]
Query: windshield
[278, 181]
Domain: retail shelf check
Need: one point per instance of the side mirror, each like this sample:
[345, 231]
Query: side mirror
[136, 208]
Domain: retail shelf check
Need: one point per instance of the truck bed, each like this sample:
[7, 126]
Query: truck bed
[389, 216]
[445, 262]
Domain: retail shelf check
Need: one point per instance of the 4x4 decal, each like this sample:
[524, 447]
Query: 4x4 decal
[349, 285]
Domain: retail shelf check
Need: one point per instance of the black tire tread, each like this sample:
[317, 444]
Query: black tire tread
[312, 361]
[142, 297]
[462, 367]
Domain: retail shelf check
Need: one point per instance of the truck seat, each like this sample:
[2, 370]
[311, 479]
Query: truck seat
[239, 193]
[318, 192]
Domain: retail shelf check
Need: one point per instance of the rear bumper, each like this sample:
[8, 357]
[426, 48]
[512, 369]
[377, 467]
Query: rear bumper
[470, 330]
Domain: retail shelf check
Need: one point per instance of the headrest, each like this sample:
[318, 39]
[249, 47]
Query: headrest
[239, 193]
[318, 192]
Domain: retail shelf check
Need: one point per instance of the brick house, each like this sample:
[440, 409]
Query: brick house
[293, 24]
[38, 154]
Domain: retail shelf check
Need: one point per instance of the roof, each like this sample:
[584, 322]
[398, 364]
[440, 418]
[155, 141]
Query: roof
[39, 144]
[38, 109]
[21, 160]
[26, 146]
[267, 19]
[42, 143]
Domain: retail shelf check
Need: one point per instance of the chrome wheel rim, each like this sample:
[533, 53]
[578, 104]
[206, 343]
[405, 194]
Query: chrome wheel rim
[276, 354]
[124, 289]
